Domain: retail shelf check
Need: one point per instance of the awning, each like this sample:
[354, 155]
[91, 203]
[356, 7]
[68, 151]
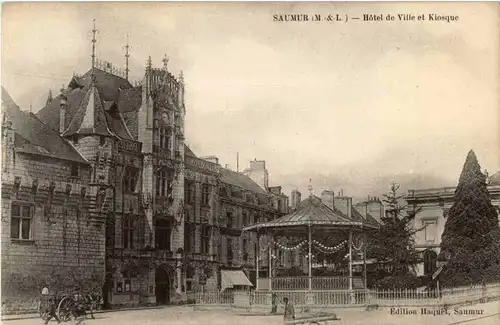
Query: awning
[229, 279]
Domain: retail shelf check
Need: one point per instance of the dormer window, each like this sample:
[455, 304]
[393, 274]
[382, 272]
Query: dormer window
[75, 170]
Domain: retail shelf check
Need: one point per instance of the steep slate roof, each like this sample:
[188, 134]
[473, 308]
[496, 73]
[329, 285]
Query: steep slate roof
[50, 113]
[90, 116]
[313, 211]
[241, 180]
[107, 83]
[34, 137]
[105, 98]
[129, 99]
[233, 178]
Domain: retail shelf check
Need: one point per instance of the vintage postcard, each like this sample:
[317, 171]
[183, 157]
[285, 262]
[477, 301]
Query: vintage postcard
[250, 163]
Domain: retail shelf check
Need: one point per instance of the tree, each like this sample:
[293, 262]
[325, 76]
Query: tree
[471, 239]
[393, 245]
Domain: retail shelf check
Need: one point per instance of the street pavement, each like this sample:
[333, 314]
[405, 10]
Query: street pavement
[184, 315]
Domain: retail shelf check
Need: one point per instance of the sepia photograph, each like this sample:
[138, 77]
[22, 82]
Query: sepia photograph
[252, 163]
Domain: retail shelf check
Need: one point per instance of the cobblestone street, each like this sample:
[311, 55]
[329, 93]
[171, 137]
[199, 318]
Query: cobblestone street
[186, 316]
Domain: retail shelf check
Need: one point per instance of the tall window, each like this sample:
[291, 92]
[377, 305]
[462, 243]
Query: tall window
[110, 231]
[20, 223]
[128, 232]
[430, 230]
[244, 217]
[229, 249]
[244, 250]
[189, 194]
[205, 194]
[163, 183]
[189, 237]
[164, 138]
[229, 219]
[163, 230]
[205, 239]
[130, 179]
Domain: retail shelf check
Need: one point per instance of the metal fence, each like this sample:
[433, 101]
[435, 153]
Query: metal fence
[317, 283]
[346, 298]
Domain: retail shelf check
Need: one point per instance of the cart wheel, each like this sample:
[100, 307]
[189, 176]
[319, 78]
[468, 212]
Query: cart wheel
[64, 309]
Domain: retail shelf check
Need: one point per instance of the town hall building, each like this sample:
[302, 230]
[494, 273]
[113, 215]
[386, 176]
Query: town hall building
[99, 190]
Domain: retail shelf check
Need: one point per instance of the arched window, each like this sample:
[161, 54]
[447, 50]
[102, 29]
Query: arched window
[430, 262]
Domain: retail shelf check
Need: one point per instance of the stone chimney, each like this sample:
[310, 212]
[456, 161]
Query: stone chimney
[296, 198]
[258, 173]
[344, 204]
[362, 208]
[212, 159]
[62, 113]
[375, 208]
[328, 198]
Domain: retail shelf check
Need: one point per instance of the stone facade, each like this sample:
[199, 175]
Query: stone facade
[433, 205]
[144, 219]
[219, 203]
[50, 234]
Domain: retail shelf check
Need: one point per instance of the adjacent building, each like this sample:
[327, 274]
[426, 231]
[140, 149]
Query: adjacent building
[223, 202]
[433, 205]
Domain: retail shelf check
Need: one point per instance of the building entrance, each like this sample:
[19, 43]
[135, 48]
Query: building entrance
[162, 281]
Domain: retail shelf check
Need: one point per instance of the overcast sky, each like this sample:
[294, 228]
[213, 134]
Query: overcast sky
[352, 105]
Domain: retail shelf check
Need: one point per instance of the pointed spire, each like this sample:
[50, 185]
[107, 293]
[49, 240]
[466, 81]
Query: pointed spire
[149, 63]
[310, 187]
[127, 55]
[181, 77]
[49, 98]
[94, 41]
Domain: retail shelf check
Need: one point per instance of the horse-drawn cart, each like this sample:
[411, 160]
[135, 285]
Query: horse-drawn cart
[312, 319]
[69, 305]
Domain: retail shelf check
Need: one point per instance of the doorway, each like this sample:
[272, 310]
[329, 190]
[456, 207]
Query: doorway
[430, 262]
[162, 282]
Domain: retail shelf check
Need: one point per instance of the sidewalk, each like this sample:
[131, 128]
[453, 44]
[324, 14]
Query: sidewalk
[36, 315]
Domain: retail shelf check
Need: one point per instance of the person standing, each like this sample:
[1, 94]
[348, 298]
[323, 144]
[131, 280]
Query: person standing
[48, 306]
[289, 310]
[274, 303]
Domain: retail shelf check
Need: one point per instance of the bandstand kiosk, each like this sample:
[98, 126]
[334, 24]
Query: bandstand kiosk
[310, 225]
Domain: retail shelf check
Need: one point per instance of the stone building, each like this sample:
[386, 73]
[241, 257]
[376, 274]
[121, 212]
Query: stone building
[224, 201]
[146, 218]
[52, 230]
[433, 205]
[133, 139]
[202, 180]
